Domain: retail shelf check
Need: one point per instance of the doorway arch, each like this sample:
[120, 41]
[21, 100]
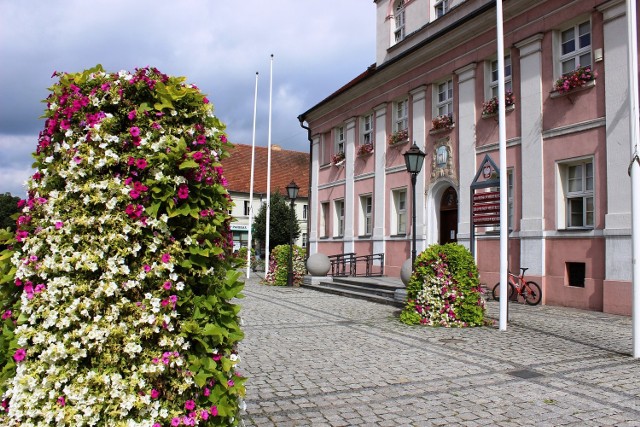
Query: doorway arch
[438, 190]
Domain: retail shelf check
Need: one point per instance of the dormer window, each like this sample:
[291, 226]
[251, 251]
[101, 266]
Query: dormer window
[398, 10]
[441, 7]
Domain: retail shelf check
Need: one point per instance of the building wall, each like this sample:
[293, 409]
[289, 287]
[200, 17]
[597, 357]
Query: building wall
[547, 133]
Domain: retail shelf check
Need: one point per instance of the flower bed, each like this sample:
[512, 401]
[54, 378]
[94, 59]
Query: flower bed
[578, 78]
[117, 287]
[277, 274]
[444, 289]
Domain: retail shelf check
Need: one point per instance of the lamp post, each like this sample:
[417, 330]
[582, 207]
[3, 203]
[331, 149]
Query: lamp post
[413, 159]
[292, 192]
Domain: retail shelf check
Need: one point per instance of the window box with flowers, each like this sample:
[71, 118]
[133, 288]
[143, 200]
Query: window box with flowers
[441, 124]
[490, 107]
[338, 158]
[364, 150]
[399, 137]
[580, 78]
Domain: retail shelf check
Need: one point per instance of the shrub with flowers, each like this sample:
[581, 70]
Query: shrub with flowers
[277, 274]
[117, 289]
[364, 149]
[444, 289]
[398, 137]
[444, 121]
[337, 158]
[577, 78]
[490, 107]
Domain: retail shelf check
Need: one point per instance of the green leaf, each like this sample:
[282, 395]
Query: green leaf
[201, 378]
[188, 164]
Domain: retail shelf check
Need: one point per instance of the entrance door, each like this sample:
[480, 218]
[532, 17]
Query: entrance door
[449, 216]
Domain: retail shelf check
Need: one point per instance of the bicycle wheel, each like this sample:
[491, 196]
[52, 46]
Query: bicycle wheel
[496, 291]
[532, 293]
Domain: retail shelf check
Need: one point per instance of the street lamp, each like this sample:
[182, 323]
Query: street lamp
[413, 159]
[292, 192]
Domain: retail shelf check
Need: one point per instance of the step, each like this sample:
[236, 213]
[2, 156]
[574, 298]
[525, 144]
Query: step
[354, 292]
[361, 287]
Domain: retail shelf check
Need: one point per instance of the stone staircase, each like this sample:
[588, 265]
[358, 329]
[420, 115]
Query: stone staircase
[383, 290]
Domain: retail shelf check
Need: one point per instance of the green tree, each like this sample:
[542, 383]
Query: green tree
[8, 207]
[280, 222]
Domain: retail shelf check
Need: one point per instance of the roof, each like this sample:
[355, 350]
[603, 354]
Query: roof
[286, 166]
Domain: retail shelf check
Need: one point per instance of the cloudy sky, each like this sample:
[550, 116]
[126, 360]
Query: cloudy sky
[318, 46]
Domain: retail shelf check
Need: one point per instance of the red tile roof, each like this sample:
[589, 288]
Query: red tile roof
[286, 165]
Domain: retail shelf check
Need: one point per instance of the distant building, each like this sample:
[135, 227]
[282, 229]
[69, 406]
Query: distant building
[568, 148]
[286, 166]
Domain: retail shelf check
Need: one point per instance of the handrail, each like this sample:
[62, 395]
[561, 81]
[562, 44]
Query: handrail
[348, 264]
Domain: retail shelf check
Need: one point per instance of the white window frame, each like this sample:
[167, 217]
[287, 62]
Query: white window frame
[366, 129]
[440, 8]
[324, 219]
[443, 98]
[585, 193]
[571, 60]
[492, 73]
[399, 21]
[304, 240]
[247, 208]
[338, 224]
[399, 214]
[366, 215]
[340, 140]
[305, 209]
[401, 115]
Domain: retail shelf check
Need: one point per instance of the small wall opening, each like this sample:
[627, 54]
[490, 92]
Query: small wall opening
[575, 274]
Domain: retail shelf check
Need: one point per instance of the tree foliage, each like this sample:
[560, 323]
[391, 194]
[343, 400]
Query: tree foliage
[8, 207]
[282, 222]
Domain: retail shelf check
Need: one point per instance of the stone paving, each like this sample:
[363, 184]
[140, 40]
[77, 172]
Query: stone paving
[324, 360]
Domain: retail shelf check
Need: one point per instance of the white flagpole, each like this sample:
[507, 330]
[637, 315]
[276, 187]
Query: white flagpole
[502, 143]
[634, 124]
[253, 160]
[266, 245]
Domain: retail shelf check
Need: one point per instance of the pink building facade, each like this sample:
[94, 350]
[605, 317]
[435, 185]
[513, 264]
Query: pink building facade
[568, 149]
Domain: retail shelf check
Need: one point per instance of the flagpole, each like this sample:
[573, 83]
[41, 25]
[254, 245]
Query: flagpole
[266, 247]
[253, 160]
[634, 171]
[502, 143]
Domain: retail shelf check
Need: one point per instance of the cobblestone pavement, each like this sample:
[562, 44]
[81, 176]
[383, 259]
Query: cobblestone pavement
[323, 360]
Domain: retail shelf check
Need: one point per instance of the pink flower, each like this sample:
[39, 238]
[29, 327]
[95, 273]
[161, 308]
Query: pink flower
[167, 285]
[204, 415]
[134, 194]
[157, 425]
[230, 383]
[206, 392]
[19, 355]
[62, 401]
[6, 315]
[141, 163]
[132, 115]
[197, 155]
[166, 258]
[175, 422]
[183, 191]
[214, 411]
[155, 394]
[134, 131]
[59, 225]
[205, 100]
[189, 405]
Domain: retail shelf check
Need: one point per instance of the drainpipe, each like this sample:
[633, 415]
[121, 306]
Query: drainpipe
[301, 119]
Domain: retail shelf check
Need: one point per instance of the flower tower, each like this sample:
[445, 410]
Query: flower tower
[117, 289]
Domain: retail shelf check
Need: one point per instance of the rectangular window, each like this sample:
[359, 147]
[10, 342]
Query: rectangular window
[575, 274]
[305, 208]
[304, 240]
[338, 230]
[577, 190]
[493, 84]
[366, 220]
[444, 99]
[324, 220]
[575, 47]
[400, 208]
[399, 33]
[510, 208]
[339, 147]
[441, 7]
[367, 129]
[247, 208]
[401, 115]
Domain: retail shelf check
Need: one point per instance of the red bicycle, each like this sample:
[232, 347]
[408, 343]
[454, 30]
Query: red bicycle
[528, 290]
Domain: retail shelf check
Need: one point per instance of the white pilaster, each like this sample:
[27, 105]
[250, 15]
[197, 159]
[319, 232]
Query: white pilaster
[466, 125]
[532, 184]
[418, 134]
[379, 194]
[618, 218]
[314, 207]
[349, 203]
